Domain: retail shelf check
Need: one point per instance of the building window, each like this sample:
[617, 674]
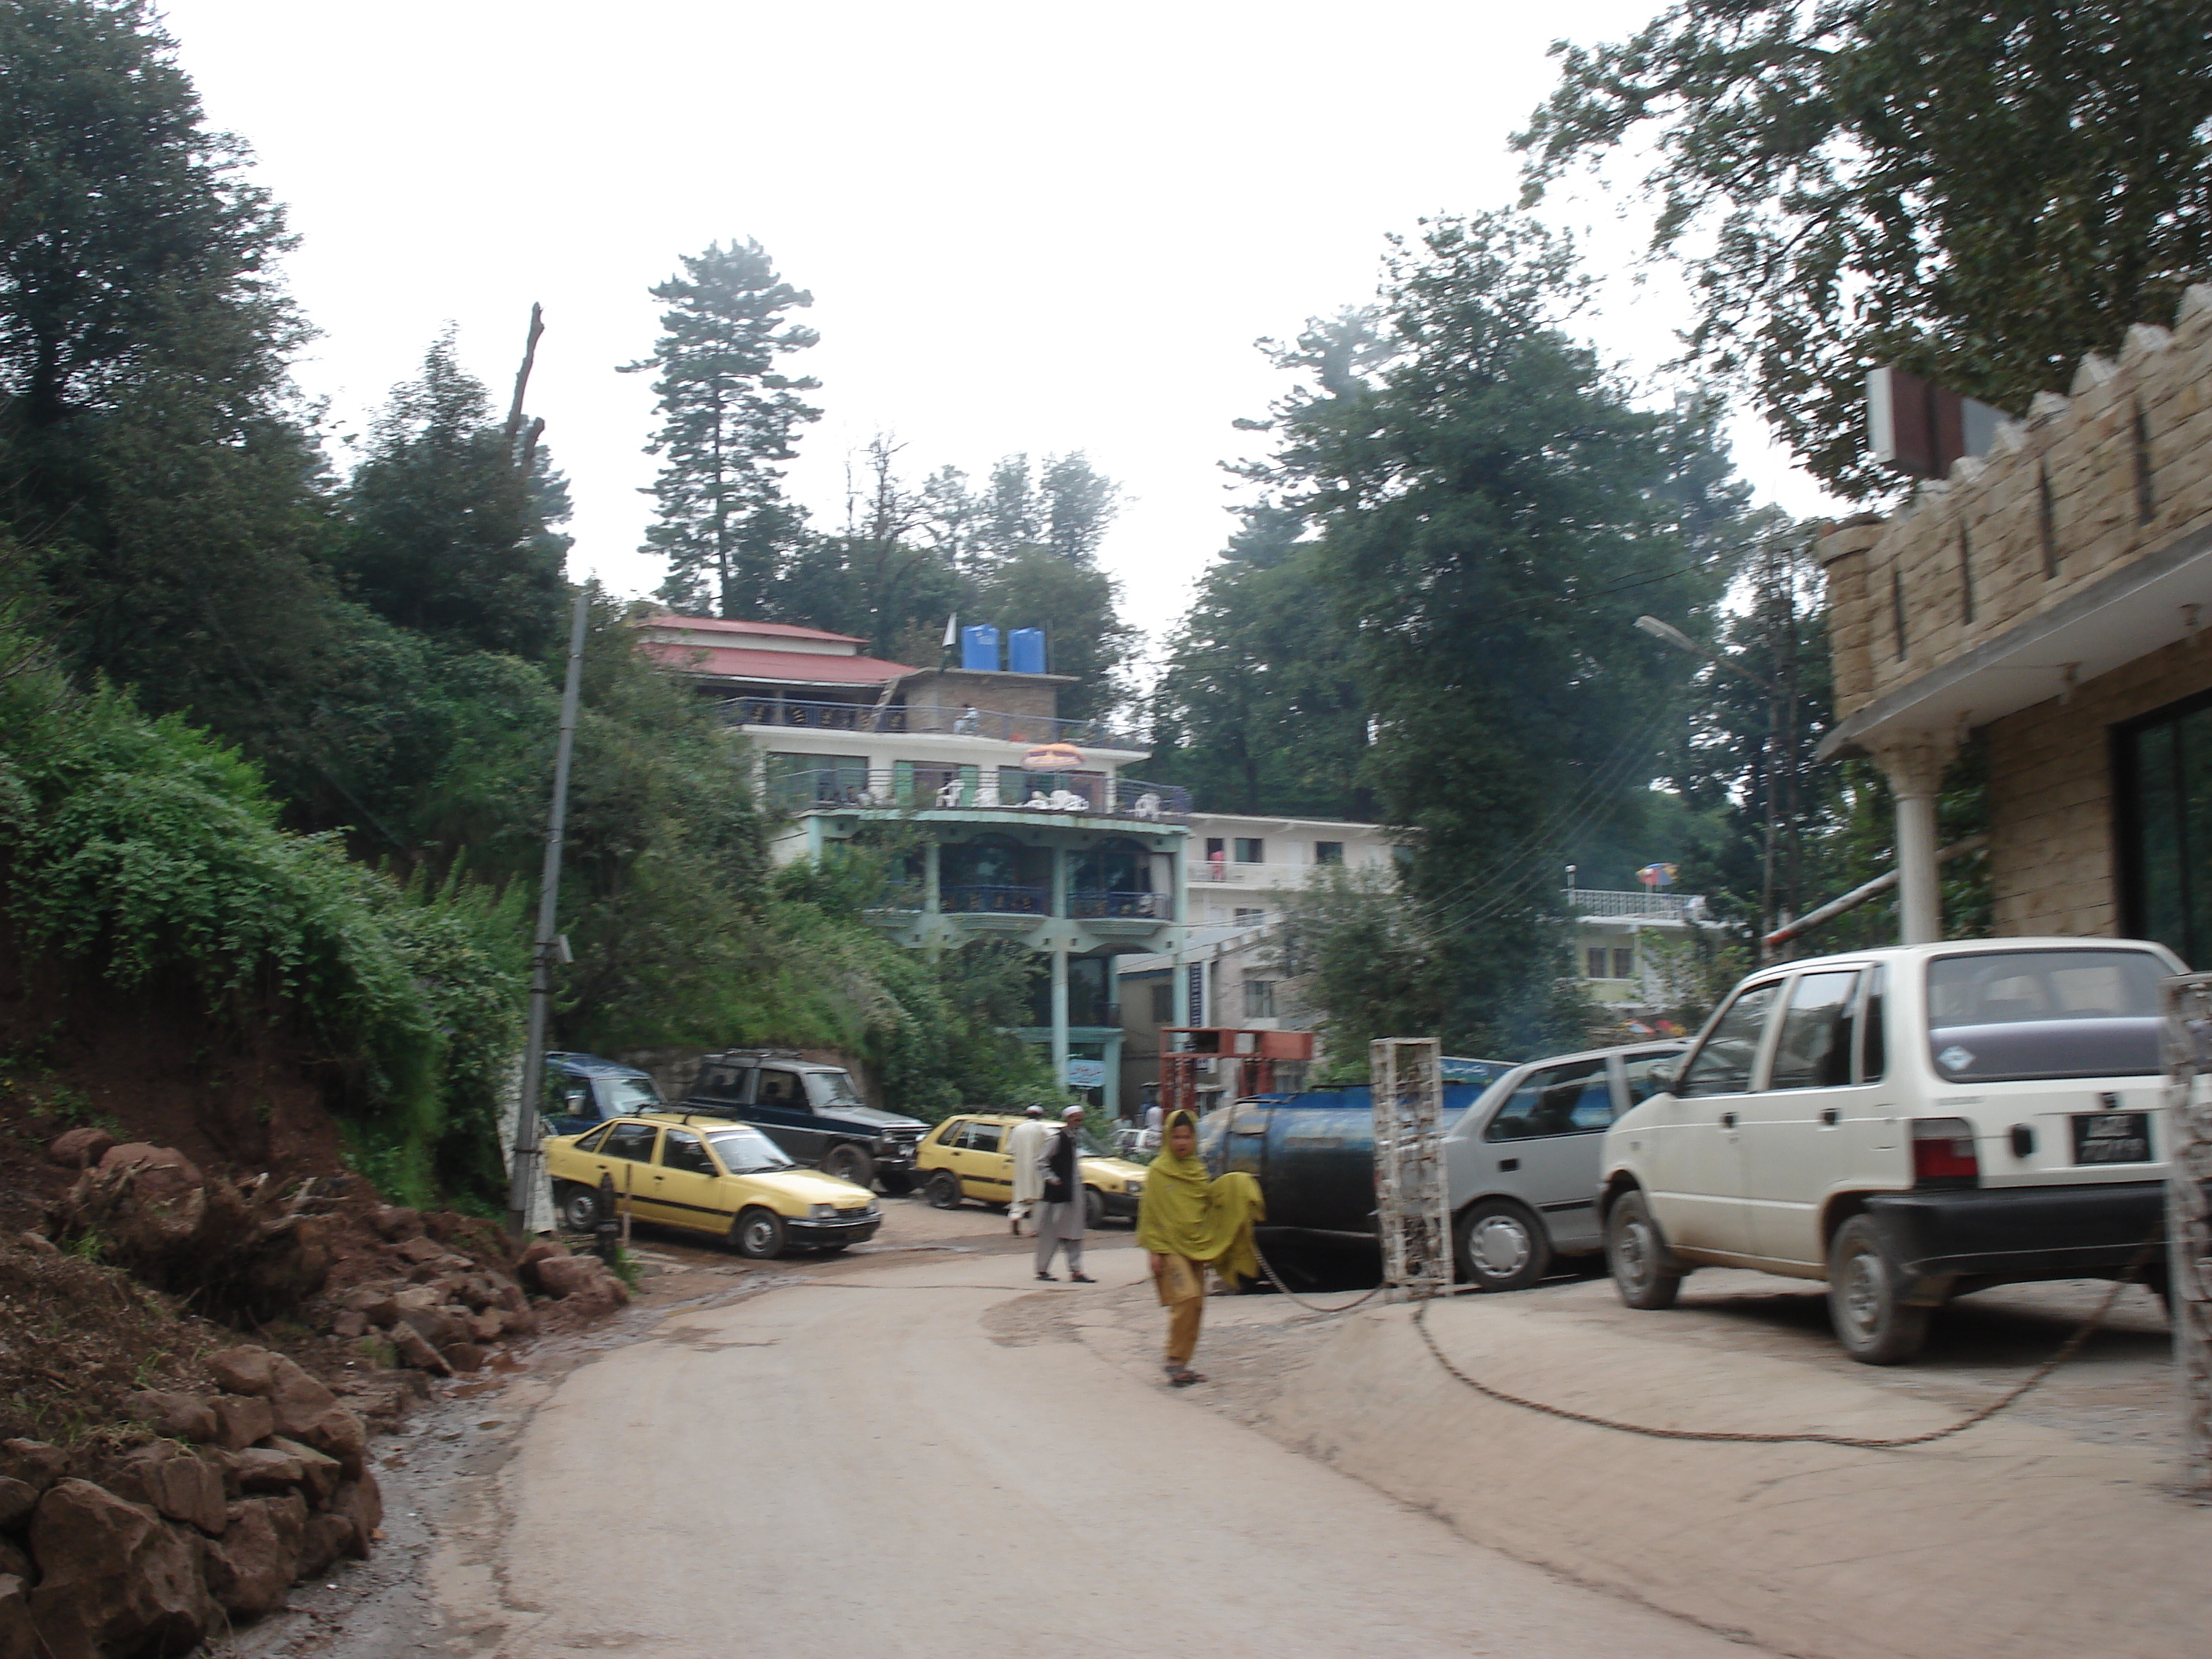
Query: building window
[1594, 958]
[1624, 963]
[2164, 768]
[1250, 849]
[1250, 918]
[1259, 998]
[1328, 851]
[1163, 1003]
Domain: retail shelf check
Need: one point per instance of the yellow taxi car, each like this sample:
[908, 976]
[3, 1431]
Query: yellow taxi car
[965, 1157]
[711, 1175]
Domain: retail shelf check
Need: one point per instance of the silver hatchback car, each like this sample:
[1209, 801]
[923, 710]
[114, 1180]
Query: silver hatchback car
[1523, 1163]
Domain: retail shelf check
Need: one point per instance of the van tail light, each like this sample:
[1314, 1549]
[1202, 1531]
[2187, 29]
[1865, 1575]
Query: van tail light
[1943, 1152]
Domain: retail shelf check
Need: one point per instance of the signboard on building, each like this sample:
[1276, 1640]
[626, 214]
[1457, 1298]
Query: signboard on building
[1087, 1073]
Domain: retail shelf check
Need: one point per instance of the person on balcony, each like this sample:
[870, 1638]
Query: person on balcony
[968, 723]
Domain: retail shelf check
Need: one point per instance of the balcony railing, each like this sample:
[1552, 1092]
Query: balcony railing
[889, 789]
[1155, 907]
[975, 899]
[867, 716]
[1641, 907]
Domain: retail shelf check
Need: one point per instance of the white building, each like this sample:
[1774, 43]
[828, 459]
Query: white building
[1614, 935]
[1028, 827]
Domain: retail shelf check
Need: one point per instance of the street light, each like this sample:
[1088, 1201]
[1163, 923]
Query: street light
[1775, 699]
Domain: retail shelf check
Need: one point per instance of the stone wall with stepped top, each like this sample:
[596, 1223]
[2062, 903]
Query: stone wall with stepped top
[2089, 484]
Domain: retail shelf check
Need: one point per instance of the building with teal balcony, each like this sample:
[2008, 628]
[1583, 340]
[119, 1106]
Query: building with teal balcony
[1012, 823]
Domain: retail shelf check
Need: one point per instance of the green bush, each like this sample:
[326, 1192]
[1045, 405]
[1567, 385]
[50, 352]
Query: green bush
[139, 847]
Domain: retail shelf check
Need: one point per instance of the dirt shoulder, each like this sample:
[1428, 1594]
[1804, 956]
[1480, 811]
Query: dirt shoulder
[2050, 1530]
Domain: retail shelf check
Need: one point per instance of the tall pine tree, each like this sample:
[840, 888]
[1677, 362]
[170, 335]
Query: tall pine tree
[728, 421]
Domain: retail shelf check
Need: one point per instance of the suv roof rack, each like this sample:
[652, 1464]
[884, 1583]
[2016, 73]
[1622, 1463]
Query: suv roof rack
[754, 1053]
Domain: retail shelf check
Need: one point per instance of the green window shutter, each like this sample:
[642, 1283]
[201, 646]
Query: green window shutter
[902, 782]
[970, 779]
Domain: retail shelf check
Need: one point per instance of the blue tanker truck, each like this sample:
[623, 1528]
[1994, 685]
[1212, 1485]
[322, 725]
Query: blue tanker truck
[1313, 1153]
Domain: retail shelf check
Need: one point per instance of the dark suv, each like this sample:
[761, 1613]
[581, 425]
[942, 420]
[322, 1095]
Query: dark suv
[812, 1111]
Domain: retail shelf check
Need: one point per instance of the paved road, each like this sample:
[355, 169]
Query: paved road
[914, 1460]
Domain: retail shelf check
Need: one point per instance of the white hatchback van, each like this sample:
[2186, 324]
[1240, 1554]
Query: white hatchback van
[1908, 1124]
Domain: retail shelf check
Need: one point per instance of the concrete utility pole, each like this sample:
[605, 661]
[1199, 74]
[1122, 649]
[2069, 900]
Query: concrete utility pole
[527, 1156]
[2188, 1225]
[1411, 1210]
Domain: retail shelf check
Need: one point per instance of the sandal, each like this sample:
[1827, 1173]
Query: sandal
[1185, 1378]
[1082, 1278]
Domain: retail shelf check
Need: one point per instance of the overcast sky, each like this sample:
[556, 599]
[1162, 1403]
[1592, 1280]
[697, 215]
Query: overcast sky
[1040, 227]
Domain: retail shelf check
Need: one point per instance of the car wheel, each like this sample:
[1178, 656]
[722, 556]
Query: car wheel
[850, 1163]
[758, 1233]
[1094, 1209]
[580, 1207]
[1643, 1269]
[1502, 1247]
[1874, 1325]
[944, 1190]
[897, 1182]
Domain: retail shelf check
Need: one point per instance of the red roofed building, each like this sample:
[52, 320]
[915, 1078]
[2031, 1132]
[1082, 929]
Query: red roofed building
[1029, 831]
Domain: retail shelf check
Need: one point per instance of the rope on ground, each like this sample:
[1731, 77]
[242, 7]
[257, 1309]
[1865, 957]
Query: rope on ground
[1268, 1268]
[2072, 1346]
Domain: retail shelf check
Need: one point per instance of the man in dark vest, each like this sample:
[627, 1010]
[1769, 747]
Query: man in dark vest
[1060, 1218]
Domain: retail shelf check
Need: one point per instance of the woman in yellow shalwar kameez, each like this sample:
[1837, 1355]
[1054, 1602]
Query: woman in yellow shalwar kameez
[1190, 1221]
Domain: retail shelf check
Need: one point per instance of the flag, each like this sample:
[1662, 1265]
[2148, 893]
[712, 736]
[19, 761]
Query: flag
[952, 631]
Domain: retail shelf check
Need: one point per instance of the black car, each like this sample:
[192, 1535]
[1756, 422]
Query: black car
[810, 1110]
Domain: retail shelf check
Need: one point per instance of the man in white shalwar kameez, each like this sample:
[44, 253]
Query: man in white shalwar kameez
[1026, 1145]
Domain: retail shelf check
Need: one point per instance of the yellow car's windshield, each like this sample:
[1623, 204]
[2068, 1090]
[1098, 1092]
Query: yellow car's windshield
[747, 1151]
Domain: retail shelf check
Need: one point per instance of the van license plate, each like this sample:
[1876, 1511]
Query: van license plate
[2111, 1138]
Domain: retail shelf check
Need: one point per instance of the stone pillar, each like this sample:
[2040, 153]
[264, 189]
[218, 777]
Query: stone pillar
[1914, 762]
[1845, 552]
[1111, 1097]
[932, 880]
[1057, 902]
[1059, 1012]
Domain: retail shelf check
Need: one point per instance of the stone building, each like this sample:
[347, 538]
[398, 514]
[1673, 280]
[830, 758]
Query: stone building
[2051, 596]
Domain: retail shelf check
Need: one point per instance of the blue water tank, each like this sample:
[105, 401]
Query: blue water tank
[1025, 651]
[979, 649]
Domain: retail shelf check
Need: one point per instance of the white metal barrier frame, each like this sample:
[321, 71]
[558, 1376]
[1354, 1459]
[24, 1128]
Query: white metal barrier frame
[2189, 1214]
[1410, 1199]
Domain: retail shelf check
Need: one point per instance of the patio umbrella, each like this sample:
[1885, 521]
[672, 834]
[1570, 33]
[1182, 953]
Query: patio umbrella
[1052, 757]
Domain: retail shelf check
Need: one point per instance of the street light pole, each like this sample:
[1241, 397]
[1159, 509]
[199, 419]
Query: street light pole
[1775, 699]
[523, 1182]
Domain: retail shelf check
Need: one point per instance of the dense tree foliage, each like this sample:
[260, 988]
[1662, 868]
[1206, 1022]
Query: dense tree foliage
[449, 531]
[289, 735]
[1981, 192]
[728, 419]
[1261, 709]
[1491, 511]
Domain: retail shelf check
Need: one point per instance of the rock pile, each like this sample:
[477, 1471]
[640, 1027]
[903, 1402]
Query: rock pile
[260, 1475]
[253, 1488]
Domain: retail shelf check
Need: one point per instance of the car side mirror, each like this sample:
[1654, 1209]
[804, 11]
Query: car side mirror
[1662, 1078]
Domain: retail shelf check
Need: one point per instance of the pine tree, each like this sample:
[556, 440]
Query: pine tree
[728, 421]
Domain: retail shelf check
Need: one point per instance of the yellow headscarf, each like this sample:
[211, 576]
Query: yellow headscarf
[1184, 1212]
